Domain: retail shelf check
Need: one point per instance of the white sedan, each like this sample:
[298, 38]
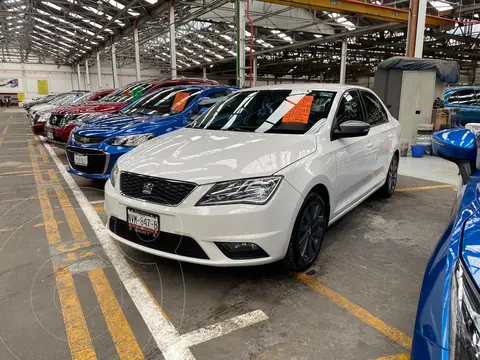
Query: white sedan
[257, 177]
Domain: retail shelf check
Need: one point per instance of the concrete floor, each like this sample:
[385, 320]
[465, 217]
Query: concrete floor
[357, 302]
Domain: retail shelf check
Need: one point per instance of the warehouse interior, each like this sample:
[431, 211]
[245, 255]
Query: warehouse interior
[205, 280]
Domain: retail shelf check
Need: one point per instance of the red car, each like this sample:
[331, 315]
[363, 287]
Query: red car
[61, 123]
[40, 118]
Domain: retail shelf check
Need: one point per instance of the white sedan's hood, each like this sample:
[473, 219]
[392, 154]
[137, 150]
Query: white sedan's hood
[205, 156]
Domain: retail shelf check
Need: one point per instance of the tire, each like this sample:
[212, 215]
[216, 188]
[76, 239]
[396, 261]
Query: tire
[306, 240]
[388, 188]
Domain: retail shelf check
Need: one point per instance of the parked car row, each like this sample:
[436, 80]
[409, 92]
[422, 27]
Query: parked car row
[215, 175]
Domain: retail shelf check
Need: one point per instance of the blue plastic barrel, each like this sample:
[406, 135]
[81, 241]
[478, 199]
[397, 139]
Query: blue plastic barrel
[418, 151]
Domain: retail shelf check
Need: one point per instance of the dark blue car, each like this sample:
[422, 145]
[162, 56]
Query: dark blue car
[95, 146]
[447, 326]
[467, 100]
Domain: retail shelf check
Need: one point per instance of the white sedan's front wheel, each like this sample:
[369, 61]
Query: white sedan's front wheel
[307, 235]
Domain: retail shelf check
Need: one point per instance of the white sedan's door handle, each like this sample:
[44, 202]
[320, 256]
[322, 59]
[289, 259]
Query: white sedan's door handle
[369, 145]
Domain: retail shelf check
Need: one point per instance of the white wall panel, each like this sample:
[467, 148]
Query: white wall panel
[63, 78]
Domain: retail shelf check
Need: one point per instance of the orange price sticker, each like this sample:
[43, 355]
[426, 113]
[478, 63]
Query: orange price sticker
[180, 101]
[300, 111]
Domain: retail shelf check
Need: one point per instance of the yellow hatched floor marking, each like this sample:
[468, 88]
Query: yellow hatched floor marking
[77, 332]
[79, 340]
[392, 333]
[418, 188]
[122, 335]
[125, 342]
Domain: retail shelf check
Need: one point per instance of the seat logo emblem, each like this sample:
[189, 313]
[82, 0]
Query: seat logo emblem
[147, 188]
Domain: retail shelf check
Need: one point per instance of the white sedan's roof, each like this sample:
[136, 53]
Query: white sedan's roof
[307, 86]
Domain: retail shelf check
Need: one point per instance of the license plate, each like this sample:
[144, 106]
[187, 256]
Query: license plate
[143, 222]
[50, 135]
[80, 159]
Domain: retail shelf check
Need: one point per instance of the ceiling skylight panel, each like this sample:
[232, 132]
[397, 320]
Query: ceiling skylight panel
[68, 39]
[43, 29]
[52, 5]
[115, 3]
[441, 5]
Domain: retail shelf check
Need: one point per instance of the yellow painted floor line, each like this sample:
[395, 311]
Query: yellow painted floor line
[41, 150]
[51, 226]
[396, 357]
[20, 172]
[19, 199]
[427, 188]
[392, 333]
[122, 335]
[99, 208]
[72, 218]
[77, 332]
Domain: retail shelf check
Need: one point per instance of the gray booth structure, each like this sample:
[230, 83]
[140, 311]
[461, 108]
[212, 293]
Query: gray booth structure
[409, 87]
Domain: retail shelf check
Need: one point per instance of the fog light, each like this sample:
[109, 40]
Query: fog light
[241, 251]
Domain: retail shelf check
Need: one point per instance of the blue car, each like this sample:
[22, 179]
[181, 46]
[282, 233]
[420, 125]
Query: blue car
[95, 146]
[467, 100]
[447, 326]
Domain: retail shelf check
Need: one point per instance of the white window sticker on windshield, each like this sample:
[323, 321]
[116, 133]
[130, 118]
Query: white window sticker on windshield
[290, 101]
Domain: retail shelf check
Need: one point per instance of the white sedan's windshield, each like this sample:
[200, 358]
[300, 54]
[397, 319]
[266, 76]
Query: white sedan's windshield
[275, 111]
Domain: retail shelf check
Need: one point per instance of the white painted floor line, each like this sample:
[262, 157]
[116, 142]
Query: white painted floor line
[222, 328]
[97, 202]
[172, 345]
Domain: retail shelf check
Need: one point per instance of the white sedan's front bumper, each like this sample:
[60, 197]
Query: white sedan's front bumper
[268, 226]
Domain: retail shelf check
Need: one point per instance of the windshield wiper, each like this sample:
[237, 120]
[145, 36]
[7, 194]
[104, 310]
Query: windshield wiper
[238, 128]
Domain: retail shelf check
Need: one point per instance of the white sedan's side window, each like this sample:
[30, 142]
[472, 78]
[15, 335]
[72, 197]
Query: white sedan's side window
[350, 107]
[376, 114]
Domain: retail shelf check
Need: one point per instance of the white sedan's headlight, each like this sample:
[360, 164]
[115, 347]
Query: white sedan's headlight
[44, 117]
[464, 316]
[130, 140]
[246, 191]
[114, 175]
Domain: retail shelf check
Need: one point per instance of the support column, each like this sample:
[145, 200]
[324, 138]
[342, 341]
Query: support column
[114, 67]
[137, 50]
[254, 80]
[87, 76]
[416, 28]
[240, 17]
[99, 70]
[343, 61]
[173, 50]
[78, 77]
[204, 73]
[420, 33]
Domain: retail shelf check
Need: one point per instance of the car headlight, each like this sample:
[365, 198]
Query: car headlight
[114, 175]
[130, 140]
[464, 316]
[246, 191]
[44, 117]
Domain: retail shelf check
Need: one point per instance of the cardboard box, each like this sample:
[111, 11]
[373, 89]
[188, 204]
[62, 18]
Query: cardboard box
[439, 117]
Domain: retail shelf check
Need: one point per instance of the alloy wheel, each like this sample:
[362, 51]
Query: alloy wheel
[310, 231]
[392, 175]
